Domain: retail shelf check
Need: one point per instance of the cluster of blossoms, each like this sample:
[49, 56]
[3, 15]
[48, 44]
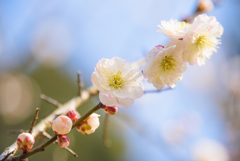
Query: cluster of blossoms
[119, 82]
[62, 125]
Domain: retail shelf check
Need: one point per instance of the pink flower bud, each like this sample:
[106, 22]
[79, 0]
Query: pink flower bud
[25, 141]
[62, 125]
[89, 125]
[63, 141]
[111, 110]
[73, 115]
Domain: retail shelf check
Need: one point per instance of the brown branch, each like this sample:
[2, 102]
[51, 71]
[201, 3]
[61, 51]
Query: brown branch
[50, 100]
[7, 156]
[46, 135]
[34, 120]
[54, 138]
[45, 124]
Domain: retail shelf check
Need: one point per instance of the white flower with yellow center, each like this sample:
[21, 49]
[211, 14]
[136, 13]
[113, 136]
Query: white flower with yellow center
[201, 40]
[118, 81]
[174, 29]
[166, 68]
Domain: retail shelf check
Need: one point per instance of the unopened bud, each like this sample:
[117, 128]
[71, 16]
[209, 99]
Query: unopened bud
[89, 125]
[111, 110]
[25, 141]
[73, 115]
[205, 5]
[62, 125]
[63, 141]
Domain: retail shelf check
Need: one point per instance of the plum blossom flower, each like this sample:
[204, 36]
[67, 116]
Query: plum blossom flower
[201, 40]
[118, 81]
[63, 141]
[167, 66]
[62, 125]
[25, 141]
[174, 29]
[89, 125]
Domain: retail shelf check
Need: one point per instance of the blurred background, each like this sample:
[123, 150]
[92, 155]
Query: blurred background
[44, 43]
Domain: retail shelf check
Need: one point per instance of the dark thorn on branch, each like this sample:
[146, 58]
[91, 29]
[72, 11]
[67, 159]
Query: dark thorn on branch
[106, 141]
[13, 132]
[79, 83]
[34, 120]
[7, 155]
[50, 100]
[46, 135]
[157, 91]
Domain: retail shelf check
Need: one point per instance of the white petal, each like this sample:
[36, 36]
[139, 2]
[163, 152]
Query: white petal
[108, 101]
[96, 84]
[122, 93]
[153, 52]
[125, 102]
[136, 91]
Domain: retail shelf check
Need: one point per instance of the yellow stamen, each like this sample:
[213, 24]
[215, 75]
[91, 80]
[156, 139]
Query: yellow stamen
[203, 42]
[168, 63]
[116, 81]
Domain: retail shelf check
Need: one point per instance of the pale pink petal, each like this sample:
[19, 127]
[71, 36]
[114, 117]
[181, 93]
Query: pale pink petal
[108, 101]
[125, 102]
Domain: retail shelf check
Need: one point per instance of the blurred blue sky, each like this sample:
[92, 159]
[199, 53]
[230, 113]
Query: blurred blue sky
[86, 31]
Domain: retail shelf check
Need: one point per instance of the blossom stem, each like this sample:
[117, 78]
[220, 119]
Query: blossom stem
[82, 118]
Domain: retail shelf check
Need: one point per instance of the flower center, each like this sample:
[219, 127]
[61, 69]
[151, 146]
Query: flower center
[181, 25]
[203, 42]
[116, 81]
[168, 63]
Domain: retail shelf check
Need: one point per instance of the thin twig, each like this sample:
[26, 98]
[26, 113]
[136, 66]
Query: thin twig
[34, 120]
[107, 142]
[46, 135]
[13, 132]
[157, 91]
[79, 83]
[7, 156]
[50, 100]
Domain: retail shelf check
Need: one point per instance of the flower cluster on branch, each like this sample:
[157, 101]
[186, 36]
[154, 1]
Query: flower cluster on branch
[120, 82]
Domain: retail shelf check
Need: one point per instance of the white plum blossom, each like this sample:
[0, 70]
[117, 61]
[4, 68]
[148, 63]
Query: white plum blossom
[201, 40]
[62, 125]
[167, 66]
[89, 125]
[25, 141]
[174, 29]
[118, 81]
